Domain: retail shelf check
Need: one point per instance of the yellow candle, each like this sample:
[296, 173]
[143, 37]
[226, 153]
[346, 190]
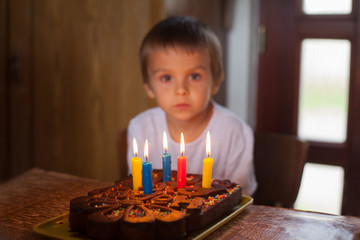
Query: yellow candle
[136, 168]
[207, 167]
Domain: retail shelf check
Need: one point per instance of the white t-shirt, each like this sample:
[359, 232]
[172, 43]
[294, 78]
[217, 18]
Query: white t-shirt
[231, 145]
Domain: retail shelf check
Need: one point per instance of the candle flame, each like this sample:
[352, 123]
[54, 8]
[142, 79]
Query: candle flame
[208, 144]
[182, 145]
[165, 143]
[146, 150]
[135, 147]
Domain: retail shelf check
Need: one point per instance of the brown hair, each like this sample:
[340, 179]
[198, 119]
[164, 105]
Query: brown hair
[185, 32]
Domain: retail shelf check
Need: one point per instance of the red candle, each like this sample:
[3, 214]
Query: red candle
[181, 165]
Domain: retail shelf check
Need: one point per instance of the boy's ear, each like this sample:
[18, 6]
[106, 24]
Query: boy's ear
[215, 87]
[149, 92]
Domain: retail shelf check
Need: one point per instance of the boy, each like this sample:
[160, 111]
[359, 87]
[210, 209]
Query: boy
[181, 63]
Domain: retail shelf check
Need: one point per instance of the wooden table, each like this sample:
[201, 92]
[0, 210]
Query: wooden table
[38, 195]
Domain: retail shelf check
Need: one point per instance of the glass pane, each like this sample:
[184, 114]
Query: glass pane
[321, 189]
[324, 89]
[327, 6]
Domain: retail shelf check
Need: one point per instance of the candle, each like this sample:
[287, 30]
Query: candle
[166, 161]
[207, 167]
[147, 172]
[136, 168]
[181, 165]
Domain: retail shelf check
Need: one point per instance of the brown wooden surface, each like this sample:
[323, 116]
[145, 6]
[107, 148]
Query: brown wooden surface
[39, 195]
[261, 222]
[35, 196]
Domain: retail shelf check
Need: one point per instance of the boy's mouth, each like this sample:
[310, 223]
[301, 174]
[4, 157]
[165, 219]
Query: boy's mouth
[182, 106]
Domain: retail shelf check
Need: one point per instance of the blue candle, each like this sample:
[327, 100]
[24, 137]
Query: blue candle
[147, 172]
[147, 177]
[166, 161]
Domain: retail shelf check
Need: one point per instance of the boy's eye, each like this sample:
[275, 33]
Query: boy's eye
[194, 76]
[165, 78]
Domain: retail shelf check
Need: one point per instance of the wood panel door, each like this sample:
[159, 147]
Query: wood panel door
[16, 88]
[3, 98]
[285, 27]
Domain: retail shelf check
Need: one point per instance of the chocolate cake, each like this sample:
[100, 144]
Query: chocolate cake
[118, 212]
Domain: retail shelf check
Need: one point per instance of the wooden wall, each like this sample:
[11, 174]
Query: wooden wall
[72, 82]
[87, 82]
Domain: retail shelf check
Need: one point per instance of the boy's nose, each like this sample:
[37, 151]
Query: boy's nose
[181, 88]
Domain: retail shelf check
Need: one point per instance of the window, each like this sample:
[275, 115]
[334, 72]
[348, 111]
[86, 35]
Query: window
[324, 90]
[321, 188]
[327, 6]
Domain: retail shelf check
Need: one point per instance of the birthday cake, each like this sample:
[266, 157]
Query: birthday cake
[118, 212]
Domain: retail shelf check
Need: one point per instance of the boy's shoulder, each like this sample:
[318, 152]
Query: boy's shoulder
[148, 115]
[226, 115]
[149, 112]
[227, 119]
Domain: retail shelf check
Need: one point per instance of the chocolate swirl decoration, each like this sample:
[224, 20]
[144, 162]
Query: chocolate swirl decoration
[144, 197]
[99, 192]
[195, 206]
[170, 223]
[135, 218]
[180, 202]
[225, 183]
[192, 192]
[170, 187]
[193, 180]
[104, 224]
[82, 207]
[192, 205]
[159, 186]
[162, 200]
[116, 192]
[129, 202]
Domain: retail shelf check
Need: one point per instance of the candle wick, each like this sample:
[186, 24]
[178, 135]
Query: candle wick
[208, 155]
[146, 159]
[165, 150]
[135, 154]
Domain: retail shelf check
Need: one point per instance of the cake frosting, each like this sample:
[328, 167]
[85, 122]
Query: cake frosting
[118, 212]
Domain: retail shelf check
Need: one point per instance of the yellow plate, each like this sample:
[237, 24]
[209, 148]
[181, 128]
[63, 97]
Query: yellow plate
[59, 227]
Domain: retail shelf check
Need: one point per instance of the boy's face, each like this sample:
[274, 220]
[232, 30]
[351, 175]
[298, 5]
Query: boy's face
[180, 81]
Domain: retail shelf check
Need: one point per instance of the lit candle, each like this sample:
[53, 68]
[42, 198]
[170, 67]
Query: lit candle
[181, 165]
[207, 167]
[136, 168]
[166, 161]
[147, 171]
